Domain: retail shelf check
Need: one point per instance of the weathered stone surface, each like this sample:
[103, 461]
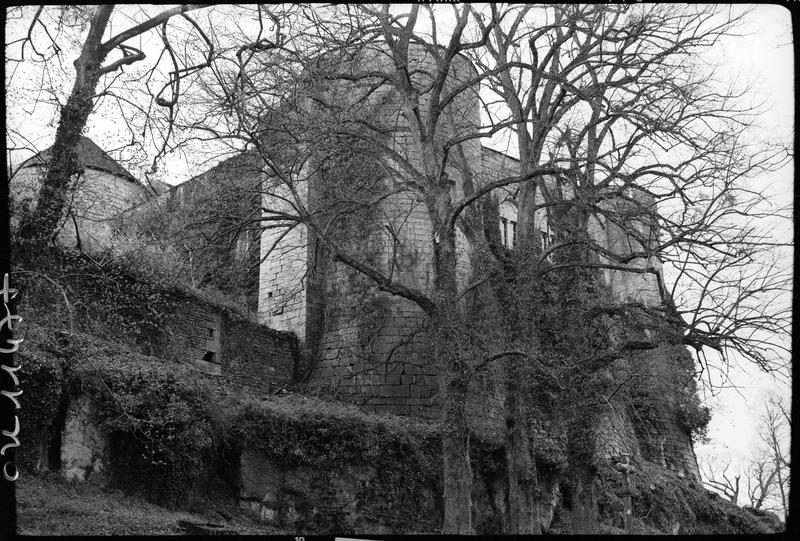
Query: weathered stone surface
[99, 196]
[260, 478]
[340, 499]
[85, 448]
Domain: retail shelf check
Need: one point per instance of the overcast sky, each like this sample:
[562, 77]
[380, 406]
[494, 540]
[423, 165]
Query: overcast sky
[765, 56]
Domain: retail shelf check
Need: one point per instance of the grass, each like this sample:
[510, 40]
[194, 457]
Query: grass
[49, 505]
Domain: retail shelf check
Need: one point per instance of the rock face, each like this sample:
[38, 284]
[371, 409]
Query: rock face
[85, 448]
[346, 500]
[338, 499]
[354, 496]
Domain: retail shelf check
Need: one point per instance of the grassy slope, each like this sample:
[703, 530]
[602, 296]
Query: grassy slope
[48, 505]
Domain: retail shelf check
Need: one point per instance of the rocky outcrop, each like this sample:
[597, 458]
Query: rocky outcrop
[85, 448]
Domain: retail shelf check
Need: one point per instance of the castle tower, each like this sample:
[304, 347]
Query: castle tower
[366, 345]
[97, 196]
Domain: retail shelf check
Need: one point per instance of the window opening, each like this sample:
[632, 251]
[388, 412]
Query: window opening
[211, 362]
[548, 239]
[513, 243]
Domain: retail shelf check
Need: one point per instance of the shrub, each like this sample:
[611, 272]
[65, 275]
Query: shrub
[42, 380]
[157, 413]
[298, 431]
[158, 416]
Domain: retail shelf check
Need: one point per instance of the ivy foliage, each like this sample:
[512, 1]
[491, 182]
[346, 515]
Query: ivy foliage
[70, 290]
[157, 413]
[158, 416]
[42, 380]
[298, 430]
[664, 503]
[403, 454]
[200, 228]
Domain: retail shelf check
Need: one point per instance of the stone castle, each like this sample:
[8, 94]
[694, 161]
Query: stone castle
[359, 343]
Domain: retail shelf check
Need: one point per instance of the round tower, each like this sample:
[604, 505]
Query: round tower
[368, 346]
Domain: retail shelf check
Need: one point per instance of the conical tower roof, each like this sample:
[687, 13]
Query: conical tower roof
[89, 155]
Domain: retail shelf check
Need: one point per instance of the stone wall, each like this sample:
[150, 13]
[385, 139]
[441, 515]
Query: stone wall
[662, 432]
[335, 499]
[645, 420]
[283, 278]
[343, 498]
[98, 197]
[214, 339]
[199, 229]
[244, 355]
[367, 346]
[84, 447]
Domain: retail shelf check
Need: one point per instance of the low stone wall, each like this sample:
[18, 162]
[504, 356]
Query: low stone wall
[174, 324]
[304, 498]
[245, 355]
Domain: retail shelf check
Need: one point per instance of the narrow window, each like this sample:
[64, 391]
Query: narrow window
[211, 360]
[503, 231]
[513, 243]
[548, 239]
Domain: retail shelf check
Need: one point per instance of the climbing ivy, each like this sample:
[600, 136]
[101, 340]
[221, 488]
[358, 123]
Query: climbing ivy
[157, 413]
[43, 381]
[75, 291]
[162, 436]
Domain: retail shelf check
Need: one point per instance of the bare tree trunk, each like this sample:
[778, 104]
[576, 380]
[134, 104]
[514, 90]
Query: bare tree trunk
[455, 447]
[524, 503]
[455, 377]
[39, 225]
[522, 509]
[584, 507]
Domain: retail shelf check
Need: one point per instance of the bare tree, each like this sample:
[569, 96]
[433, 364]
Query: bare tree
[769, 471]
[101, 59]
[615, 129]
[720, 482]
[766, 476]
[613, 85]
[614, 126]
[385, 88]
[616, 99]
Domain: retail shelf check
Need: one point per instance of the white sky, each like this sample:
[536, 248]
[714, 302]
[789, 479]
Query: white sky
[763, 54]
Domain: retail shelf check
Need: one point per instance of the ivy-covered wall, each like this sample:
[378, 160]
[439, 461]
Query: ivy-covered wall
[315, 466]
[152, 418]
[71, 291]
[308, 465]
